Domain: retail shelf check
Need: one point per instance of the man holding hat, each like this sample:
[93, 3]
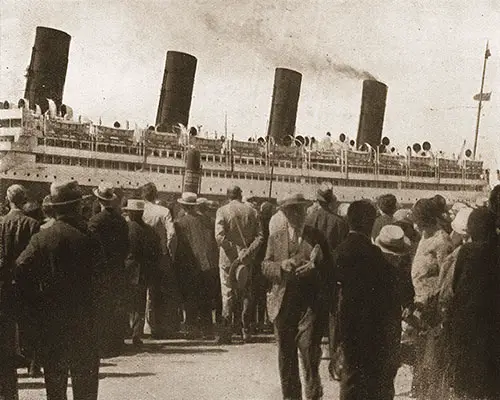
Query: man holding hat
[112, 230]
[141, 265]
[60, 262]
[197, 266]
[16, 230]
[297, 261]
[239, 236]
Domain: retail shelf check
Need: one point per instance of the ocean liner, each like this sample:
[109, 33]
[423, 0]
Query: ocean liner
[41, 141]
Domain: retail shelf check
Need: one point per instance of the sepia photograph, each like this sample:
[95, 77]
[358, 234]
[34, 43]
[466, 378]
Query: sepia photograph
[249, 200]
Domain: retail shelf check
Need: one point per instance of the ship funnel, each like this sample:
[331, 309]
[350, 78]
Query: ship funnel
[47, 70]
[284, 105]
[176, 91]
[371, 118]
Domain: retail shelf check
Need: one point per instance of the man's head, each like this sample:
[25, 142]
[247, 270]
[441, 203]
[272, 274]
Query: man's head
[481, 225]
[361, 215]
[188, 202]
[234, 193]
[16, 196]
[425, 214]
[106, 195]
[134, 209]
[325, 197]
[295, 209]
[149, 192]
[388, 204]
[47, 208]
[66, 198]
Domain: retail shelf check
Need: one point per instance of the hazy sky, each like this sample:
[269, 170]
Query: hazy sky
[429, 53]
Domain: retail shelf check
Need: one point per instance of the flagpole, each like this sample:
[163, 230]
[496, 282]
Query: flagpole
[486, 55]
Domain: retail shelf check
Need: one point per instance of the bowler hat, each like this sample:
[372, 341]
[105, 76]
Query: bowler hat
[188, 199]
[134, 205]
[392, 239]
[105, 192]
[293, 200]
[62, 193]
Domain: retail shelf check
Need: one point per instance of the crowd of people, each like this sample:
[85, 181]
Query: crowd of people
[388, 285]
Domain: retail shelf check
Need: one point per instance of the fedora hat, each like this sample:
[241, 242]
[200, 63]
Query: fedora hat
[392, 239]
[188, 199]
[293, 200]
[105, 191]
[134, 205]
[62, 193]
[238, 275]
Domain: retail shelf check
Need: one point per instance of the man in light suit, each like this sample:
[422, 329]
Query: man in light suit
[297, 262]
[163, 296]
[239, 236]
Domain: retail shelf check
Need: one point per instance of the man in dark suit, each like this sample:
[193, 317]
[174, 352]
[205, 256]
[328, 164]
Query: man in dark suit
[16, 229]
[141, 264]
[296, 262]
[60, 262]
[112, 230]
[370, 312]
[197, 266]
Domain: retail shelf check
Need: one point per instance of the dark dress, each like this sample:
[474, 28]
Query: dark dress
[370, 320]
[112, 231]
[61, 261]
[473, 323]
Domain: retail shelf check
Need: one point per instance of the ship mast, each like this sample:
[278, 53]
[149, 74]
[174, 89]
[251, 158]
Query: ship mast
[486, 55]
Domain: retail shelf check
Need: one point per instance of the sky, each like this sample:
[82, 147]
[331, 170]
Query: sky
[429, 53]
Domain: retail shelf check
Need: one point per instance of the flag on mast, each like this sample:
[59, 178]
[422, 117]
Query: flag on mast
[483, 96]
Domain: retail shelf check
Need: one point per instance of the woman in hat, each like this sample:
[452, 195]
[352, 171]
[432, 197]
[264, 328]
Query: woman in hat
[432, 250]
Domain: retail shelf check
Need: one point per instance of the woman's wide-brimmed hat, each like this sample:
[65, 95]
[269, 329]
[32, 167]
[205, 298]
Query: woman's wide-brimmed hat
[293, 200]
[188, 199]
[105, 192]
[134, 205]
[62, 193]
[392, 239]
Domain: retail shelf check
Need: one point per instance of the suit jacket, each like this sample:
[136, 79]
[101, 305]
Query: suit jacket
[230, 219]
[16, 230]
[144, 254]
[160, 219]
[380, 222]
[112, 231]
[278, 250]
[61, 261]
[370, 309]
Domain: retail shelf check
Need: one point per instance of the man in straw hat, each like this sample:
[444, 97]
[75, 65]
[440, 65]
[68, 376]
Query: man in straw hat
[112, 230]
[16, 229]
[197, 267]
[163, 295]
[141, 265]
[61, 261]
[370, 312]
[239, 236]
[297, 261]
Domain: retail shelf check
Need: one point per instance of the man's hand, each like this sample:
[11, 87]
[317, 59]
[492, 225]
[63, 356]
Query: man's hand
[289, 265]
[243, 256]
[305, 269]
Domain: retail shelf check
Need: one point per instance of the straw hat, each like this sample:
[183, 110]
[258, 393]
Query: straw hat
[105, 192]
[459, 223]
[188, 199]
[134, 205]
[238, 275]
[62, 193]
[392, 239]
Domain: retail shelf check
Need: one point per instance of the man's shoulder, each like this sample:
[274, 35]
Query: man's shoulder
[155, 209]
